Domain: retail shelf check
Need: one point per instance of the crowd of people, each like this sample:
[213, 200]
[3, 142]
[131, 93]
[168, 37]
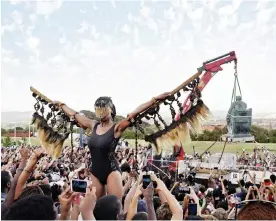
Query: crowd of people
[32, 184]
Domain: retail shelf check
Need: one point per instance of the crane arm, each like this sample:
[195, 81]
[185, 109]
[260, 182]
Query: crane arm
[210, 68]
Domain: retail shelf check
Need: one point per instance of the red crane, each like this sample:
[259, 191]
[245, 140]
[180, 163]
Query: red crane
[211, 67]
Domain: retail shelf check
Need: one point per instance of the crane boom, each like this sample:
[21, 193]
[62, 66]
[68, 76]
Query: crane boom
[211, 67]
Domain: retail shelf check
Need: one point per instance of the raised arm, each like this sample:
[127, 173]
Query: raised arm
[124, 124]
[83, 121]
[24, 176]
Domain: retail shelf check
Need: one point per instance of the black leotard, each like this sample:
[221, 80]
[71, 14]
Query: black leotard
[102, 149]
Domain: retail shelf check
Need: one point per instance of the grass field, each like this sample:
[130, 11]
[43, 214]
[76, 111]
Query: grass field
[200, 146]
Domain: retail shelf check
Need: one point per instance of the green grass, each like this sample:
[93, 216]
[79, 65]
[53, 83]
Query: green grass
[200, 146]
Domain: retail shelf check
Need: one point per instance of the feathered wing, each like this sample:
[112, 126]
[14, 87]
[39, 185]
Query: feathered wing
[190, 122]
[50, 140]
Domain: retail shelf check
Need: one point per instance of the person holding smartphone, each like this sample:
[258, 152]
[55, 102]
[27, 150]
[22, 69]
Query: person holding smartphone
[104, 139]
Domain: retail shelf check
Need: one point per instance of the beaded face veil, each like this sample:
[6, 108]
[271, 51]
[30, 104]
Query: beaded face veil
[104, 107]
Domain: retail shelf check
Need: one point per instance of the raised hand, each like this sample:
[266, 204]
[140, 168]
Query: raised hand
[160, 184]
[66, 199]
[38, 153]
[138, 191]
[148, 192]
[89, 201]
[24, 152]
[87, 205]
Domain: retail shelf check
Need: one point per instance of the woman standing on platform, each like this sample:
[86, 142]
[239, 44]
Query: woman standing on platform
[103, 141]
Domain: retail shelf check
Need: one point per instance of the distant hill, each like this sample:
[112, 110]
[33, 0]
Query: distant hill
[16, 117]
[9, 119]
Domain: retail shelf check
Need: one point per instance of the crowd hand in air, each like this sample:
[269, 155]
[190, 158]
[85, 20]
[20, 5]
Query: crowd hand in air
[160, 184]
[39, 153]
[66, 199]
[24, 152]
[177, 211]
[132, 210]
[88, 203]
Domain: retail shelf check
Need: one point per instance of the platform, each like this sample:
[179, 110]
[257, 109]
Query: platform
[231, 138]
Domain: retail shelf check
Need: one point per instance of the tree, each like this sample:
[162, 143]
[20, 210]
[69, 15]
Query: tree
[6, 141]
[3, 131]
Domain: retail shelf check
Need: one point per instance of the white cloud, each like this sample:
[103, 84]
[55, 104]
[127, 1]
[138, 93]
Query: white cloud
[126, 29]
[8, 28]
[58, 59]
[93, 32]
[261, 5]
[62, 40]
[84, 27]
[83, 11]
[47, 7]
[17, 17]
[145, 12]
[169, 14]
[152, 25]
[32, 17]
[265, 15]
[136, 36]
[113, 3]
[33, 42]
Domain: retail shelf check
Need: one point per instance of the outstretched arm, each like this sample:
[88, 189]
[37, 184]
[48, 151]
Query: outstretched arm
[83, 121]
[124, 124]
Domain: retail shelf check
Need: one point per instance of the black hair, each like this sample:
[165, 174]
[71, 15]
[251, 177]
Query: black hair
[31, 190]
[46, 189]
[33, 207]
[156, 203]
[191, 217]
[273, 178]
[202, 189]
[248, 184]
[125, 168]
[107, 208]
[242, 182]
[5, 180]
[103, 102]
[223, 205]
[231, 190]
[56, 191]
[140, 216]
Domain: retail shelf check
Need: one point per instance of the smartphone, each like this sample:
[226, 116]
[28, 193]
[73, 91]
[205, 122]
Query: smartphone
[192, 209]
[79, 186]
[146, 181]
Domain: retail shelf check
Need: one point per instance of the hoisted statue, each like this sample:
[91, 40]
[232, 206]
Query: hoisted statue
[239, 119]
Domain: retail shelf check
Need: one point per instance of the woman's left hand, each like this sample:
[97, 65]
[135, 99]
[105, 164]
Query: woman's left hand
[162, 96]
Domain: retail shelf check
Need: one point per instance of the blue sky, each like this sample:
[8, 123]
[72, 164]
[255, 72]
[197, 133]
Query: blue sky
[76, 51]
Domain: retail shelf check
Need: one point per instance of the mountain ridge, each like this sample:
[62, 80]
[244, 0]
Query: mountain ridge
[24, 117]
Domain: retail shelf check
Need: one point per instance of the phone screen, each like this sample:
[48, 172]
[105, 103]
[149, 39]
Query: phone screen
[192, 209]
[146, 181]
[79, 186]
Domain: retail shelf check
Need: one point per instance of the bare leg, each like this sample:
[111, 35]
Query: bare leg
[100, 190]
[114, 184]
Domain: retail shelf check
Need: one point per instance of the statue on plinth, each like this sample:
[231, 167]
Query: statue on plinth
[239, 119]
